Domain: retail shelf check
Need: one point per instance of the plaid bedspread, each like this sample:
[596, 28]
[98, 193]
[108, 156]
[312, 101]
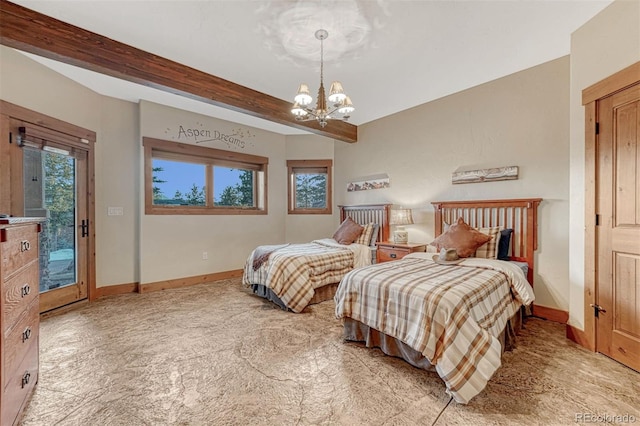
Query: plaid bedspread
[451, 314]
[294, 271]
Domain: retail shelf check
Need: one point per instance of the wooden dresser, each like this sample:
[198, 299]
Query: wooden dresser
[19, 314]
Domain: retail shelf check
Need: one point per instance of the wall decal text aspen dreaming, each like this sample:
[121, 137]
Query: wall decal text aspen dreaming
[201, 135]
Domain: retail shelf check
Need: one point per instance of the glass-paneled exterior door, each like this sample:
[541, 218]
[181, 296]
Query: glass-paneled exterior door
[55, 187]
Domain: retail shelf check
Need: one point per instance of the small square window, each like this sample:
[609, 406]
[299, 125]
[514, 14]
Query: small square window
[309, 186]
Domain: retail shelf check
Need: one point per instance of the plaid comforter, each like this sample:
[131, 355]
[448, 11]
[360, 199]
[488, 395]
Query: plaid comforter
[451, 314]
[294, 271]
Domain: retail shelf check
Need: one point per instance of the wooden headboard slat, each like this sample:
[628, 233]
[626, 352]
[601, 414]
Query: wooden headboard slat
[369, 213]
[521, 215]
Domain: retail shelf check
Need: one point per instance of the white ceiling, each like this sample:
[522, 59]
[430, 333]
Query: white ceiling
[390, 55]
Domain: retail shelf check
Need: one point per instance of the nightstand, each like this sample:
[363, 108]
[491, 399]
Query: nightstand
[389, 250]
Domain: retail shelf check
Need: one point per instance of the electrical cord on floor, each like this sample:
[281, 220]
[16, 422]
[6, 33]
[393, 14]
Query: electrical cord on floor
[441, 411]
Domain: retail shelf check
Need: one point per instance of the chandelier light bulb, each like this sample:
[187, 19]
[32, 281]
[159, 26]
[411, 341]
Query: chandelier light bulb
[336, 93]
[346, 107]
[303, 97]
[298, 111]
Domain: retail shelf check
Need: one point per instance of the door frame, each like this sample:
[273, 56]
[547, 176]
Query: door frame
[590, 97]
[11, 172]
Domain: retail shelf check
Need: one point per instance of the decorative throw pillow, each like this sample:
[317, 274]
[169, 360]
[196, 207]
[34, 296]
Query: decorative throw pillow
[489, 250]
[462, 237]
[347, 232]
[504, 244]
[365, 237]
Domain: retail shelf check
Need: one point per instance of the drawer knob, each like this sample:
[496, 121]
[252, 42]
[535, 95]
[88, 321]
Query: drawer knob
[26, 334]
[25, 379]
[393, 255]
[25, 245]
[25, 290]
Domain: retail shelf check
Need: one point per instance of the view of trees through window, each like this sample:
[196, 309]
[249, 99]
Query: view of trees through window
[240, 193]
[311, 190]
[60, 198]
[50, 191]
[183, 184]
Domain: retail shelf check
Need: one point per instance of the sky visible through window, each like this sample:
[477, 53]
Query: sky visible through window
[181, 177]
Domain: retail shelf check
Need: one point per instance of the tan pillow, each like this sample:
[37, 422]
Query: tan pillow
[347, 232]
[365, 237]
[489, 250]
[462, 237]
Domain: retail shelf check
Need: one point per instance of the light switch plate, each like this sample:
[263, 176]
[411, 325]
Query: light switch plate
[115, 211]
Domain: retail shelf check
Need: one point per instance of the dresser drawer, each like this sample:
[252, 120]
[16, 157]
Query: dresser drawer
[18, 292]
[386, 254]
[21, 339]
[19, 385]
[19, 247]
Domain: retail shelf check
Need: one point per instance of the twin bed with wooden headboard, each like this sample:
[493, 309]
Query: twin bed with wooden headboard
[452, 317]
[294, 276]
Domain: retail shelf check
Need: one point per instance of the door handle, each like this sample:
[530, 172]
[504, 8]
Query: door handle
[85, 227]
[26, 334]
[597, 309]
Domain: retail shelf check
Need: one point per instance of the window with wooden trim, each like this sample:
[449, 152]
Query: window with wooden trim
[309, 186]
[189, 179]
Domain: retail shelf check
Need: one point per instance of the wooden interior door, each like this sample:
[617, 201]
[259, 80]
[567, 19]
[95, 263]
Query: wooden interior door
[618, 227]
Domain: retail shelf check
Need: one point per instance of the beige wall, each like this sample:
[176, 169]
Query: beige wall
[603, 46]
[117, 185]
[519, 120]
[30, 85]
[171, 246]
[26, 83]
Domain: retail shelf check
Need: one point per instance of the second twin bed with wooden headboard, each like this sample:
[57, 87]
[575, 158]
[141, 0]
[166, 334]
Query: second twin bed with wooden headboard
[457, 316]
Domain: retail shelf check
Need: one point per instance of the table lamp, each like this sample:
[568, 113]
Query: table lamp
[399, 218]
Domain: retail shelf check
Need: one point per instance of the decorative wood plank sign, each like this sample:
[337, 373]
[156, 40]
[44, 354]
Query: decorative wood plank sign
[485, 175]
[369, 182]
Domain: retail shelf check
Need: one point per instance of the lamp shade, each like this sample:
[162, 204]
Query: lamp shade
[401, 217]
[336, 93]
[303, 97]
[346, 107]
[298, 111]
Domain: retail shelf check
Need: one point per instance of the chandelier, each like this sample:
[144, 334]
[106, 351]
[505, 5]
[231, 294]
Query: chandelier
[340, 102]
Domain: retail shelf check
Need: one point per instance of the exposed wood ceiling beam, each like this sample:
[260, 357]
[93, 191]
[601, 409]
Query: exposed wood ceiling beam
[33, 32]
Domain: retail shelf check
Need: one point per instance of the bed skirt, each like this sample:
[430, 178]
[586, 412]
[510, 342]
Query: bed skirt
[358, 332]
[321, 294]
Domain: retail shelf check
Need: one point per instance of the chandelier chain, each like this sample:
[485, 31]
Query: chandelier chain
[321, 59]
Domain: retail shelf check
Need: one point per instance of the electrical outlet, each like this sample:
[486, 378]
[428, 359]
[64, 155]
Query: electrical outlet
[205, 255]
